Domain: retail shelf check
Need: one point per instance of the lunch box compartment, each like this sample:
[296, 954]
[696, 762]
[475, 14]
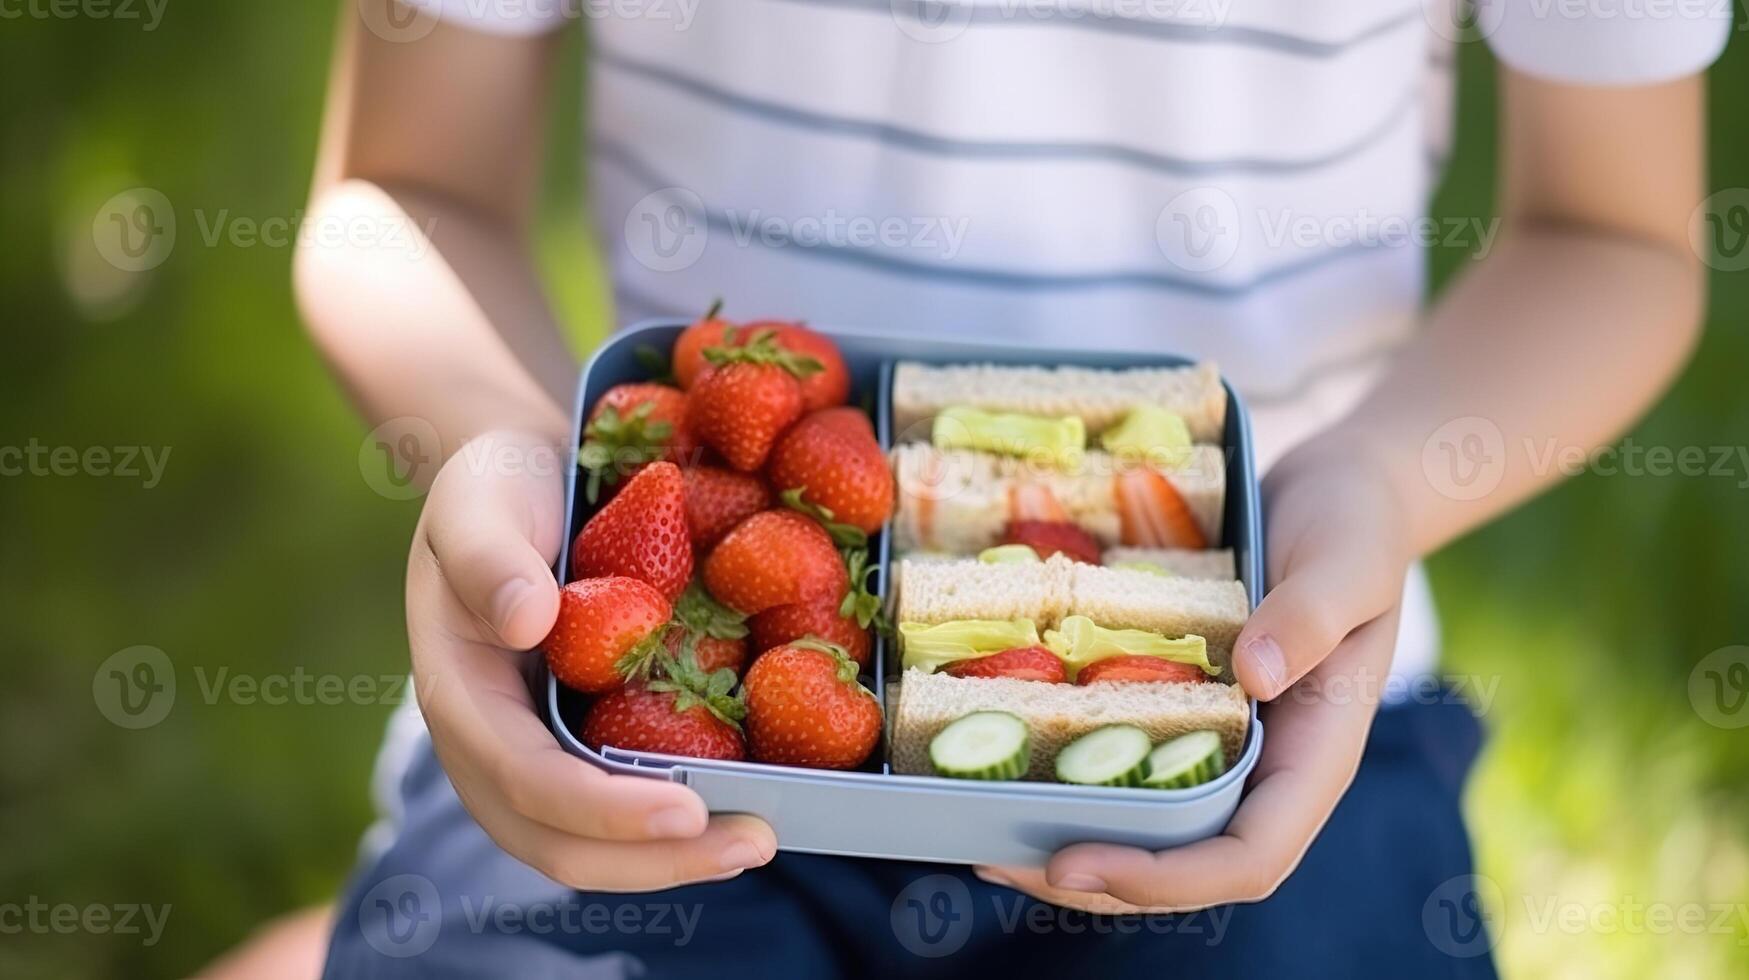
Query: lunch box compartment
[871, 812]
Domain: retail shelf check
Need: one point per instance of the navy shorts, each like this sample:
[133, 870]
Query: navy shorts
[1384, 892]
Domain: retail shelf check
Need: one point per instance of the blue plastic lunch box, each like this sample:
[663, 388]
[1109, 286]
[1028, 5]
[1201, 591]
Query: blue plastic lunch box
[871, 812]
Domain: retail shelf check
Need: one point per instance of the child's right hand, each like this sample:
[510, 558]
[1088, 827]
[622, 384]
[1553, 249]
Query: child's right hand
[480, 592]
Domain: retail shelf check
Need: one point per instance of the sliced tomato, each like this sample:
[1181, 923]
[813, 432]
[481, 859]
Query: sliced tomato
[1140, 667]
[1053, 538]
[1021, 663]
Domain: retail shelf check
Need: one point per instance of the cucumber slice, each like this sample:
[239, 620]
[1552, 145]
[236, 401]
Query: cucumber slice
[982, 745]
[1188, 760]
[1115, 755]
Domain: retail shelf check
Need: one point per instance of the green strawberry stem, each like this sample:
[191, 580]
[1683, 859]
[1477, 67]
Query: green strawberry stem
[859, 602]
[843, 535]
[846, 667]
[703, 615]
[613, 444]
[763, 349]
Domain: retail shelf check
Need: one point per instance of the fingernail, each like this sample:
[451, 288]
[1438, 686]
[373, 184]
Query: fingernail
[673, 822]
[1077, 881]
[1266, 654]
[506, 600]
[741, 855]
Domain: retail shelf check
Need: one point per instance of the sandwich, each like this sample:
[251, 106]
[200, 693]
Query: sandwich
[1131, 457]
[1090, 668]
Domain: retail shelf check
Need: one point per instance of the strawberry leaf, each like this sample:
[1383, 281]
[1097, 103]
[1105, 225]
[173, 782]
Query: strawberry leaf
[843, 535]
[614, 445]
[702, 615]
[654, 363]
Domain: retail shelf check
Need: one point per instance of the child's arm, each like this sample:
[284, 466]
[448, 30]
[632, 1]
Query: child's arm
[1565, 333]
[443, 133]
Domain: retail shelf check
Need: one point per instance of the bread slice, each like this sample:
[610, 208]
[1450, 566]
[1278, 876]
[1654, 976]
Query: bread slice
[1057, 714]
[1215, 563]
[939, 591]
[1101, 397]
[957, 500]
[1118, 598]
[936, 591]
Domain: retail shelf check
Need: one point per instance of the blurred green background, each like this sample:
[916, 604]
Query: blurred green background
[263, 551]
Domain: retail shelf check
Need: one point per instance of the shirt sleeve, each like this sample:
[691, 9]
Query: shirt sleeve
[517, 18]
[1606, 42]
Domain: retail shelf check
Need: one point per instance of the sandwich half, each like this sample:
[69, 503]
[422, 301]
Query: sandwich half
[1132, 456]
[1100, 397]
[951, 613]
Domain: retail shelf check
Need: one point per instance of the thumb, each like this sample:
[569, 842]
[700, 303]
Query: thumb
[1317, 603]
[492, 542]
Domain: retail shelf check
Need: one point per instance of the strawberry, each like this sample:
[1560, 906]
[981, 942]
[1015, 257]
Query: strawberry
[831, 386]
[1152, 513]
[785, 624]
[1140, 667]
[714, 634]
[717, 499]
[685, 712]
[805, 708]
[750, 396]
[845, 622]
[1025, 663]
[1054, 538]
[606, 628]
[688, 357]
[774, 558]
[630, 426]
[831, 459]
[640, 533]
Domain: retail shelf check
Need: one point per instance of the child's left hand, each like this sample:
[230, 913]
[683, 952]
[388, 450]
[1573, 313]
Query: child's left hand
[1338, 548]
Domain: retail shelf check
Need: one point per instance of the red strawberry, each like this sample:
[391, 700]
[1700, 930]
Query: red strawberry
[831, 386]
[640, 533]
[1140, 667]
[775, 558]
[686, 713]
[606, 627]
[805, 708]
[688, 358]
[1152, 513]
[631, 425]
[832, 457]
[1054, 538]
[785, 624]
[714, 634]
[717, 499]
[753, 393]
[1024, 663]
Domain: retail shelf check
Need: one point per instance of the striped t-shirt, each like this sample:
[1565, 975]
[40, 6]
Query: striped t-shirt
[1237, 180]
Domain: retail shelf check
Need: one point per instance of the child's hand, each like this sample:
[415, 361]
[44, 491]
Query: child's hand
[479, 590]
[1338, 553]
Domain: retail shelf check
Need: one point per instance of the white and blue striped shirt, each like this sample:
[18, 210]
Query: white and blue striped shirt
[1241, 180]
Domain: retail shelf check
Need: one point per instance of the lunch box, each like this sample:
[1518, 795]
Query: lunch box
[872, 812]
